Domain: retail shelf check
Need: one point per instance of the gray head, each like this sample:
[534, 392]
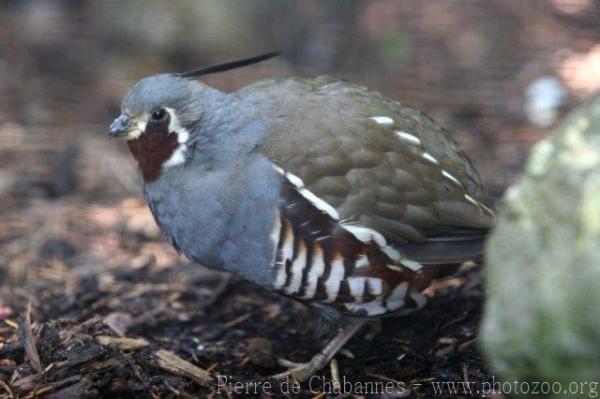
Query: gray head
[158, 117]
[164, 114]
[163, 100]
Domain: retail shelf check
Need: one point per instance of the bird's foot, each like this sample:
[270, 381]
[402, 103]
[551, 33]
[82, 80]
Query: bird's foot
[300, 371]
[303, 371]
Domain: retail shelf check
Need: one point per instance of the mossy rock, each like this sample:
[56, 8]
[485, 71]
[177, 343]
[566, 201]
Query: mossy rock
[542, 316]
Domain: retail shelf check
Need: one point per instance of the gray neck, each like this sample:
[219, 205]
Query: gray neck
[228, 131]
[224, 193]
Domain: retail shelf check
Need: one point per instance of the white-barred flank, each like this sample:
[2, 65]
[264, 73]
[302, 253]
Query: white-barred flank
[316, 271]
[367, 235]
[286, 253]
[411, 264]
[311, 266]
[336, 275]
[298, 265]
[178, 156]
[362, 261]
[309, 195]
[357, 287]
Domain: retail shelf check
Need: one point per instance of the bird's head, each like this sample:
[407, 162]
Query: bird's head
[161, 114]
[158, 116]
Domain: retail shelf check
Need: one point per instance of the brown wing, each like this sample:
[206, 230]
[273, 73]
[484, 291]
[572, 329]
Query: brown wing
[377, 162]
[348, 267]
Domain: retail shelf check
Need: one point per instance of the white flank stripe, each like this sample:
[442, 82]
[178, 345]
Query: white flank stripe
[357, 287]
[309, 195]
[320, 204]
[392, 253]
[427, 156]
[281, 277]
[412, 265]
[375, 286]
[399, 292]
[297, 270]
[373, 308]
[361, 261]
[451, 178]
[396, 299]
[408, 138]
[419, 298]
[383, 120]
[276, 229]
[287, 251]
[366, 235]
[274, 236]
[332, 285]
[295, 180]
[316, 271]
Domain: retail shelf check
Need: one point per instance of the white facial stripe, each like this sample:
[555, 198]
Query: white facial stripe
[134, 134]
[183, 136]
[408, 138]
[143, 122]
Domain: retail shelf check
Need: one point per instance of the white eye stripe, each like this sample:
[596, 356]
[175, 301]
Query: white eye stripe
[183, 135]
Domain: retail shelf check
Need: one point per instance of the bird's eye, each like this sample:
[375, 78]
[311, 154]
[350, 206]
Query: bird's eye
[159, 115]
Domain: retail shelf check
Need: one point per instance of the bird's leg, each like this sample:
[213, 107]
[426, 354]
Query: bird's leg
[302, 371]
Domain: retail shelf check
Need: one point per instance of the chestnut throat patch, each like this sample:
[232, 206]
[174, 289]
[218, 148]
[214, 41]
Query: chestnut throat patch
[151, 150]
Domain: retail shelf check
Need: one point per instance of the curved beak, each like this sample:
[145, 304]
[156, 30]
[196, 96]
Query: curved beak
[120, 126]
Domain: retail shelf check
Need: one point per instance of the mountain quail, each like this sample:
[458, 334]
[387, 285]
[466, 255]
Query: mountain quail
[318, 189]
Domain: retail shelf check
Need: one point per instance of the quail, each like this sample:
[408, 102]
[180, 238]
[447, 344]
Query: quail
[318, 189]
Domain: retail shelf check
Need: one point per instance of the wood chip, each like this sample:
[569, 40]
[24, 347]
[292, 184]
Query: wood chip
[126, 344]
[119, 322]
[172, 363]
[30, 349]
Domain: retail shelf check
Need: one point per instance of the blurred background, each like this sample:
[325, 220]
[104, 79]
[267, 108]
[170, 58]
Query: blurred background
[498, 74]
